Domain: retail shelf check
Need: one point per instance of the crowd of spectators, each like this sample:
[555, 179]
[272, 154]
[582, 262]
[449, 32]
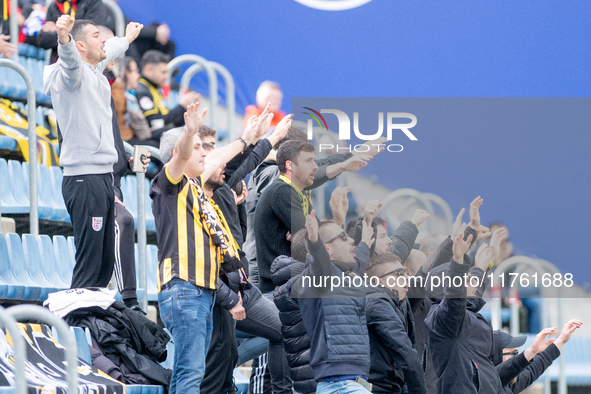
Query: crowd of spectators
[256, 257]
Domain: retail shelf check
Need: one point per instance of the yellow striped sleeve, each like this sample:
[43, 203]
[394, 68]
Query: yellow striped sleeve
[170, 177]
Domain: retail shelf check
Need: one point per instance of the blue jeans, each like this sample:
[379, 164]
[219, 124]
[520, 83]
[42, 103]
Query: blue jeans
[185, 310]
[342, 387]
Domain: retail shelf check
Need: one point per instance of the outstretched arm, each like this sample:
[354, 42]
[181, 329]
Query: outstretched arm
[185, 145]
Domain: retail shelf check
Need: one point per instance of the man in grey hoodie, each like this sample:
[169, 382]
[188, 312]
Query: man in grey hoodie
[81, 98]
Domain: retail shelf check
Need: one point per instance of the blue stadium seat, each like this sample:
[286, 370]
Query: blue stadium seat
[14, 84]
[42, 98]
[130, 199]
[35, 265]
[44, 205]
[7, 142]
[150, 220]
[4, 84]
[152, 268]
[57, 176]
[17, 183]
[9, 203]
[64, 258]
[50, 264]
[11, 289]
[72, 249]
[241, 382]
[52, 196]
[33, 292]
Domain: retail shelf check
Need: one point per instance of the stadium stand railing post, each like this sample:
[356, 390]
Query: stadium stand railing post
[22, 312]
[31, 113]
[211, 76]
[230, 91]
[119, 18]
[141, 237]
[20, 354]
[13, 23]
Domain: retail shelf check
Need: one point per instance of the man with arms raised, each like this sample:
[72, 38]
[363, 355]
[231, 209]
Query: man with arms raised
[192, 243]
[81, 98]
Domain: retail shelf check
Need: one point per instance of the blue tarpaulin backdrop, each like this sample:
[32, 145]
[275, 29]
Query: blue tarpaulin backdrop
[535, 181]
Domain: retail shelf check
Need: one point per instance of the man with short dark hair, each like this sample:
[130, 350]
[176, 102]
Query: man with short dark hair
[154, 73]
[81, 99]
[283, 207]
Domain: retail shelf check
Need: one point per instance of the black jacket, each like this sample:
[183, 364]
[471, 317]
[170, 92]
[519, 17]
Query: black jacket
[120, 168]
[279, 211]
[534, 369]
[150, 100]
[421, 305]
[394, 361]
[460, 339]
[295, 339]
[230, 283]
[127, 338]
[261, 178]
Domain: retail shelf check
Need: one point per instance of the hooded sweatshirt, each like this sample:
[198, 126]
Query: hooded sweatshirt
[532, 372]
[461, 340]
[81, 98]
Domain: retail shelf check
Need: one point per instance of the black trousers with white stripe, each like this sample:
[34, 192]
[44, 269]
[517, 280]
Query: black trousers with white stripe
[91, 204]
[124, 251]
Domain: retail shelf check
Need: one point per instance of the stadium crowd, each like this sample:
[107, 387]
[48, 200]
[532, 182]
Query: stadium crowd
[250, 257]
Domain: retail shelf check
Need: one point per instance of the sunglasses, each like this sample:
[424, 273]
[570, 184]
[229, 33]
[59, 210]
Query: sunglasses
[398, 271]
[512, 353]
[342, 236]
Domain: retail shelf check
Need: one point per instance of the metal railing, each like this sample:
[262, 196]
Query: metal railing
[20, 353]
[119, 18]
[142, 241]
[230, 91]
[32, 140]
[408, 197]
[211, 76]
[22, 312]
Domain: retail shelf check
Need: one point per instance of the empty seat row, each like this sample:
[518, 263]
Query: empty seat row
[14, 178]
[129, 190]
[14, 188]
[13, 85]
[34, 267]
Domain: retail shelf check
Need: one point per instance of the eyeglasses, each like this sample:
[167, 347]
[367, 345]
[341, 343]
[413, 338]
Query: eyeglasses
[511, 353]
[342, 235]
[398, 271]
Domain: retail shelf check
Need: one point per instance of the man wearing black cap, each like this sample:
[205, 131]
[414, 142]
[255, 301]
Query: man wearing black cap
[505, 346]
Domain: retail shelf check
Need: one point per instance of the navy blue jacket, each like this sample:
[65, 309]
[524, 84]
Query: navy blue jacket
[335, 320]
[295, 339]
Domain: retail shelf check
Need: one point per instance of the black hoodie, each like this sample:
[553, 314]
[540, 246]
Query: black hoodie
[461, 340]
[394, 361]
[533, 371]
